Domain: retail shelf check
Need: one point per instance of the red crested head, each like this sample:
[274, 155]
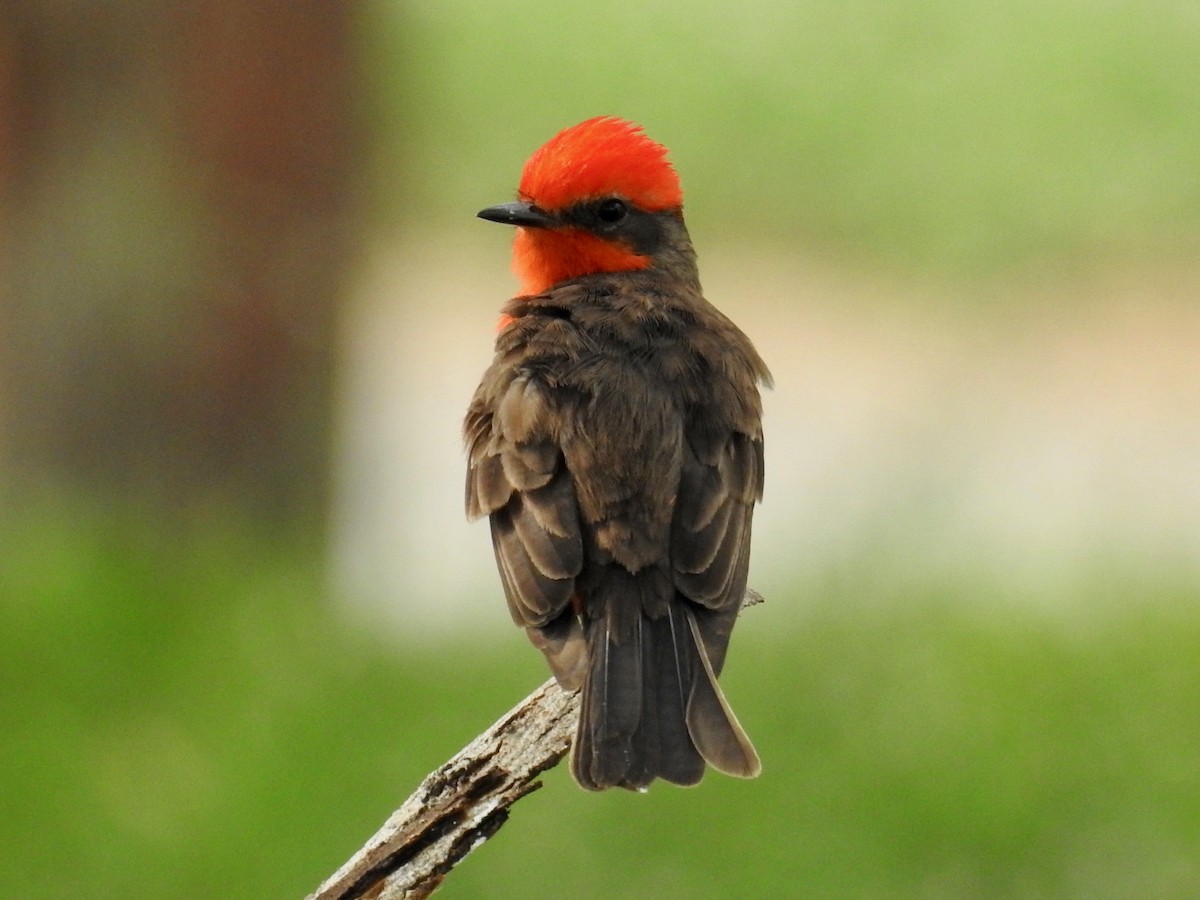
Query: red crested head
[593, 199]
[601, 157]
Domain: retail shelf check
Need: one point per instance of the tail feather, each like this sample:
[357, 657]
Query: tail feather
[612, 696]
[714, 728]
[675, 672]
[651, 704]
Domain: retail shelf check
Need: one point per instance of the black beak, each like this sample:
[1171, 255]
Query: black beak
[518, 213]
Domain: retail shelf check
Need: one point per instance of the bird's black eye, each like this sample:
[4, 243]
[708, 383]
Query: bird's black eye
[611, 211]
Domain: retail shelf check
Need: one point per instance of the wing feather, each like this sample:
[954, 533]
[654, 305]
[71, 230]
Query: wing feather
[517, 477]
[710, 535]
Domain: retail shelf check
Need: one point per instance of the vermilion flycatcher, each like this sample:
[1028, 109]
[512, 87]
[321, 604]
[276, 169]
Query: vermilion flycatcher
[616, 445]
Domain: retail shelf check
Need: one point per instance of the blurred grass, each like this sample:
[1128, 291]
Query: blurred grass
[960, 137]
[183, 717]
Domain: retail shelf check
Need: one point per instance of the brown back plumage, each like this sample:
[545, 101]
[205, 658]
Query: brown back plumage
[616, 445]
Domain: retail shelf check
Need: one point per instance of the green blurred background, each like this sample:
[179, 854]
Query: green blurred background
[243, 303]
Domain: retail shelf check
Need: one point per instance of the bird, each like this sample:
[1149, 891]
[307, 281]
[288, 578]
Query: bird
[615, 445]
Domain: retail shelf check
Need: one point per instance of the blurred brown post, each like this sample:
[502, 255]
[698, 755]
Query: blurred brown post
[178, 211]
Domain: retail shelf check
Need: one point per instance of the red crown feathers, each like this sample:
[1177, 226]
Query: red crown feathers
[597, 158]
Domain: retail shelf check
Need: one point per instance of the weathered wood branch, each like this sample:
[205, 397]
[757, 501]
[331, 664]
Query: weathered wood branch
[464, 802]
[460, 805]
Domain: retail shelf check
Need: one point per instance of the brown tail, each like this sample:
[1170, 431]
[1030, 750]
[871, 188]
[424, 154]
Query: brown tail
[652, 707]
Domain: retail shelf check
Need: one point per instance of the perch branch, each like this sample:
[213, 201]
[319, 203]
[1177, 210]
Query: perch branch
[464, 802]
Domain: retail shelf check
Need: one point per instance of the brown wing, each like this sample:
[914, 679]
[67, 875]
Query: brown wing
[721, 478]
[516, 476]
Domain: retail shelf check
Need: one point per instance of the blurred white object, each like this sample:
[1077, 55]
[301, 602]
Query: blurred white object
[1023, 438]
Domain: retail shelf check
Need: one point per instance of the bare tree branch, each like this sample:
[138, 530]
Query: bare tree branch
[464, 802]
[460, 805]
